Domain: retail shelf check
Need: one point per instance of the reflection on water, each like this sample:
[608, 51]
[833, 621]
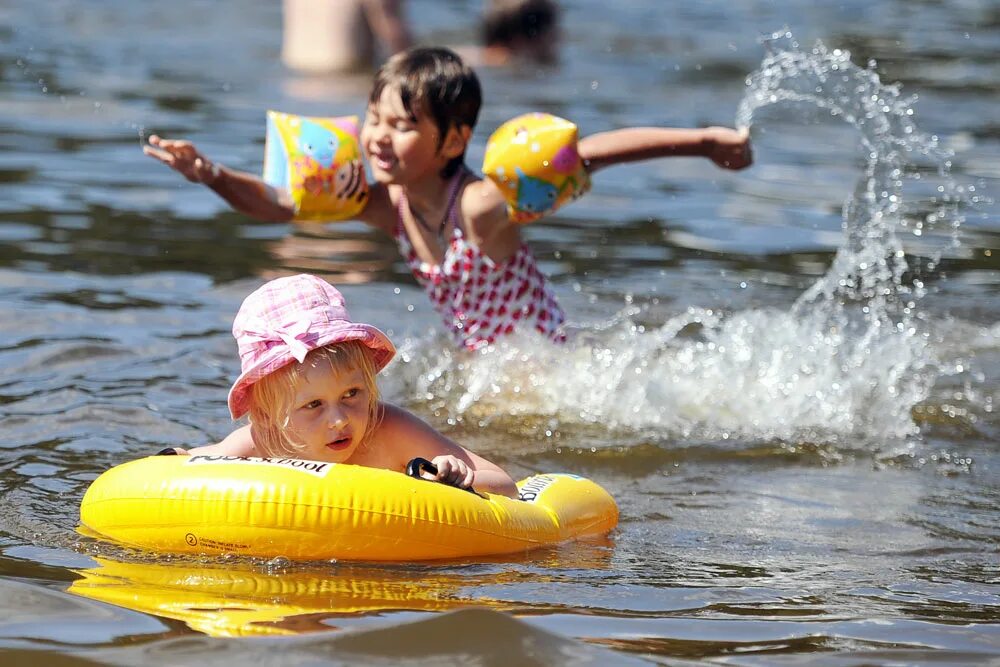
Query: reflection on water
[342, 261]
[792, 400]
[234, 601]
[232, 597]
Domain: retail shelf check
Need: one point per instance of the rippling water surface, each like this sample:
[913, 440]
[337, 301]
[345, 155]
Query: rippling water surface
[786, 376]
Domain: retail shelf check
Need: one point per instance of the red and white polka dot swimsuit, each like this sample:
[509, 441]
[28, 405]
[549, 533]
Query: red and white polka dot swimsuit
[481, 300]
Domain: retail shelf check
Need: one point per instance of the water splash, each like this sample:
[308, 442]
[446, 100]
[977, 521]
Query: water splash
[846, 363]
[870, 264]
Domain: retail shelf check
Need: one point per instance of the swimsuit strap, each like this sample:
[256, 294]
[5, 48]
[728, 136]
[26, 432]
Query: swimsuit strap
[453, 190]
[449, 213]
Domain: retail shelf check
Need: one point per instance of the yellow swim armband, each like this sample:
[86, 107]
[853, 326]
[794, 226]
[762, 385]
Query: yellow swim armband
[534, 161]
[318, 160]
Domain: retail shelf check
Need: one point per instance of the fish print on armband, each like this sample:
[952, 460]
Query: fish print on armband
[348, 181]
[533, 194]
[318, 143]
[314, 170]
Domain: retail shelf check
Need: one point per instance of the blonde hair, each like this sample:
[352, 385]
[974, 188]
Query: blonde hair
[272, 397]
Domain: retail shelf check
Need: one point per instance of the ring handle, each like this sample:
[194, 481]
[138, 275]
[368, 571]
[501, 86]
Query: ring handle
[418, 465]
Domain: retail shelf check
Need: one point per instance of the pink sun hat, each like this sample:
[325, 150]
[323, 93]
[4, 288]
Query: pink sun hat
[287, 318]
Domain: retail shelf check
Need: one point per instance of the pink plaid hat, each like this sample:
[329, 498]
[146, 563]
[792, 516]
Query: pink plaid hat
[284, 320]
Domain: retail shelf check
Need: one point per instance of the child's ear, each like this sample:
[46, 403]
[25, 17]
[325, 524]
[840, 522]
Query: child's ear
[456, 141]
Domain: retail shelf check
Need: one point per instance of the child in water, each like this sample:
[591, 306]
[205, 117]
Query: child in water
[451, 225]
[308, 384]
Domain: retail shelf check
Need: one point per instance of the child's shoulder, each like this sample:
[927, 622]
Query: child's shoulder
[396, 421]
[398, 437]
[483, 203]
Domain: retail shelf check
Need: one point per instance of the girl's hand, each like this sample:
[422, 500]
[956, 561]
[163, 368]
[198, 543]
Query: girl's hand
[453, 471]
[182, 156]
[730, 148]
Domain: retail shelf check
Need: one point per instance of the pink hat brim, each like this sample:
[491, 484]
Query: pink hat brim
[381, 347]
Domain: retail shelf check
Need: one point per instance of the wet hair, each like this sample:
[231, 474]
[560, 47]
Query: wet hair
[508, 22]
[435, 81]
[272, 397]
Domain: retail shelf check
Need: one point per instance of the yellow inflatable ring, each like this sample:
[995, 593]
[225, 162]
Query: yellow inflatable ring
[311, 510]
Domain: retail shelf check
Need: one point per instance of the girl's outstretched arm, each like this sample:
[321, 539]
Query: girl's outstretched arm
[249, 194]
[402, 436]
[726, 147]
[243, 191]
[237, 443]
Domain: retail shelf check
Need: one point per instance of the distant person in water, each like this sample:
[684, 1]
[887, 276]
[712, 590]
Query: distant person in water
[452, 226]
[329, 36]
[323, 36]
[519, 30]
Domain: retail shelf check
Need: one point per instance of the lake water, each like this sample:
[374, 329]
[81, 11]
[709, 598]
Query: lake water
[786, 376]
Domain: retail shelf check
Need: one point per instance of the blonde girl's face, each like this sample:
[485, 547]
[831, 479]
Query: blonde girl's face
[330, 414]
[400, 150]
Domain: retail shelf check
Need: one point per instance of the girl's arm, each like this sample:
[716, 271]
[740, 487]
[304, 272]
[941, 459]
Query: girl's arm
[726, 147]
[237, 443]
[243, 191]
[248, 193]
[404, 436]
[485, 212]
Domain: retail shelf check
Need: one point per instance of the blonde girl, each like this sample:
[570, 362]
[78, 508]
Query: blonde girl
[308, 386]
